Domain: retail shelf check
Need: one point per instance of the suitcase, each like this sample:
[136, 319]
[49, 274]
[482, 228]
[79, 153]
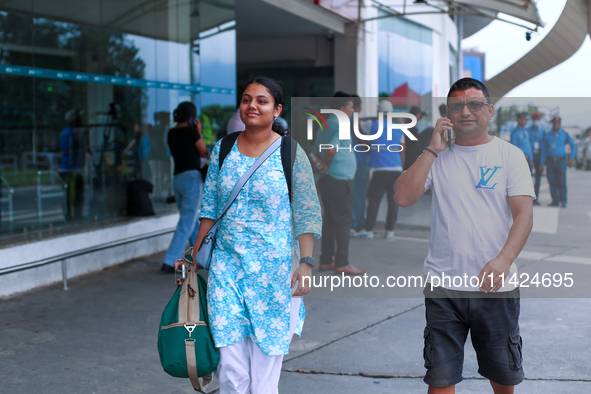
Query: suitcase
[139, 198]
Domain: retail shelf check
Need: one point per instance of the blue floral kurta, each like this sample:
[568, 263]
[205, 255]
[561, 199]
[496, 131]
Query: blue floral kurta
[250, 277]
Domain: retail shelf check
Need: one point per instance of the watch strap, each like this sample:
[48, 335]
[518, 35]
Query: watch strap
[308, 260]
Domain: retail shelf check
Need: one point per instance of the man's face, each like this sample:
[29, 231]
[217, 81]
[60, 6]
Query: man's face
[556, 123]
[521, 121]
[469, 121]
[348, 109]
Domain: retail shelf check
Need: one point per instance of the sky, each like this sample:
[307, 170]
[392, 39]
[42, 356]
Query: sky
[504, 44]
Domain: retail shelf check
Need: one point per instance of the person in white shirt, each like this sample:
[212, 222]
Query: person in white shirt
[481, 217]
[235, 123]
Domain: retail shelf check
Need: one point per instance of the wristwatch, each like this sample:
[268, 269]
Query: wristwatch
[308, 260]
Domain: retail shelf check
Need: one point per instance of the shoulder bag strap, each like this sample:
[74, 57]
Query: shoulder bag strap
[244, 178]
[226, 146]
[289, 148]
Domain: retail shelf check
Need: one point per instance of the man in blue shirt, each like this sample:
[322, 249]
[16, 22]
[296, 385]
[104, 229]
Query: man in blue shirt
[536, 135]
[387, 159]
[520, 138]
[72, 164]
[338, 166]
[555, 159]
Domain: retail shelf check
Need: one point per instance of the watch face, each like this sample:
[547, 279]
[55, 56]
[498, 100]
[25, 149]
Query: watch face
[308, 260]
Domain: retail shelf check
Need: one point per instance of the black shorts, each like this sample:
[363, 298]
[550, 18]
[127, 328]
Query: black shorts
[494, 329]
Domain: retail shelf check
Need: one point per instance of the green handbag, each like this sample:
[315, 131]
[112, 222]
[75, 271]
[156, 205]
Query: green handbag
[185, 343]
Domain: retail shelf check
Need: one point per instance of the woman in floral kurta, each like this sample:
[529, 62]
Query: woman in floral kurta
[249, 284]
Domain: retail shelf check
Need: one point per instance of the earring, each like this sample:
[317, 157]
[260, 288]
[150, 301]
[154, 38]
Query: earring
[274, 119]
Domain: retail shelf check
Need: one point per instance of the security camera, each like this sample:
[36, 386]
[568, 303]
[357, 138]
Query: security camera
[527, 35]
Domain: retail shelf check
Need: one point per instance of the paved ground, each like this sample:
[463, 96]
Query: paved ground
[100, 335]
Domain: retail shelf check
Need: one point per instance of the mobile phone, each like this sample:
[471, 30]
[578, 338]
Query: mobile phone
[183, 274]
[449, 133]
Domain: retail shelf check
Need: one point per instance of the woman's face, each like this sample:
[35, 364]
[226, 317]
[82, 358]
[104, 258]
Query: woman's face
[257, 106]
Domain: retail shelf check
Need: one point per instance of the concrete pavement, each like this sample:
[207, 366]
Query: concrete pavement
[100, 335]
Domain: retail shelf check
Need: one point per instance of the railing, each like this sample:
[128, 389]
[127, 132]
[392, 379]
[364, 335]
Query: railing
[8, 199]
[50, 191]
[10, 162]
[80, 252]
[50, 160]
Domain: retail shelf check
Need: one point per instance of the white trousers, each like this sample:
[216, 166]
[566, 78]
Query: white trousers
[245, 369]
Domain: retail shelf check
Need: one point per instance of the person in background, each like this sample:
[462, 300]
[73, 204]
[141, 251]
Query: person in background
[386, 167]
[187, 148]
[536, 135]
[556, 160]
[207, 131]
[361, 180]
[520, 138]
[235, 123]
[335, 185]
[413, 148]
[141, 142]
[425, 135]
[1, 184]
[283, 122]
[72, 164]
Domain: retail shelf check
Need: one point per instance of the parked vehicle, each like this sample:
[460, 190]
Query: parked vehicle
[584, 150]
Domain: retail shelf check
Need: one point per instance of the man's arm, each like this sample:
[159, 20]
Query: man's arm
[522, 212]
[410, 186]
[573, 148]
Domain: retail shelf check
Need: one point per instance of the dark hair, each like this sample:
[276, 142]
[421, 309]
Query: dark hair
[522, 115]
[443, 110]
[185, 111]
[276, 92]
[467, 83]
[341, 99]
[356, 101]
[415, 110]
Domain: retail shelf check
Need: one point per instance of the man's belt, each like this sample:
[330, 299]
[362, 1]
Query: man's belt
[536, 151]
[557, 158]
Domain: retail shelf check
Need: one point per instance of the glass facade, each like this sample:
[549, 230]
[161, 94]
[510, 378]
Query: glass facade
[86, 100]
[405, 61]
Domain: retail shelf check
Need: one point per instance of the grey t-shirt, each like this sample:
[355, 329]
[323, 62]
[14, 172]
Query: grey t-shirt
[470, 214]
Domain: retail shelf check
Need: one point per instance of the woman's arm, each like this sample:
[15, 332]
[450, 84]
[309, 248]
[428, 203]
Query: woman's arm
[307, 219]
[200, 144]
[204, 227]
[306, 242]
[201, 148]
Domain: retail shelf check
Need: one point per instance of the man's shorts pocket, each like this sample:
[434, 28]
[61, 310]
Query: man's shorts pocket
[428, 349]
[515, 356]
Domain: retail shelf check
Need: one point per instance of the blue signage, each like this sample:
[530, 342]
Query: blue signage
[106, 79]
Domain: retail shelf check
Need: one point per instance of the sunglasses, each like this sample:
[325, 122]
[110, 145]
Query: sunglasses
[473, 106]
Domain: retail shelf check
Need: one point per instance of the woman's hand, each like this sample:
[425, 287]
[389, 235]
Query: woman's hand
[304, 285]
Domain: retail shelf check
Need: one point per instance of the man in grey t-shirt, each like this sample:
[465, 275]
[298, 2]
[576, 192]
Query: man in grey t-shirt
[481, 217]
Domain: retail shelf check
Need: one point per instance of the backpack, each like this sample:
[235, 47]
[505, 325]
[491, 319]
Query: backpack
[289, 149]
[185, 344]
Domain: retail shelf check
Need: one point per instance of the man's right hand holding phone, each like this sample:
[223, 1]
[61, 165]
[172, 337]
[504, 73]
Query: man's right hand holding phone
[438, 143]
